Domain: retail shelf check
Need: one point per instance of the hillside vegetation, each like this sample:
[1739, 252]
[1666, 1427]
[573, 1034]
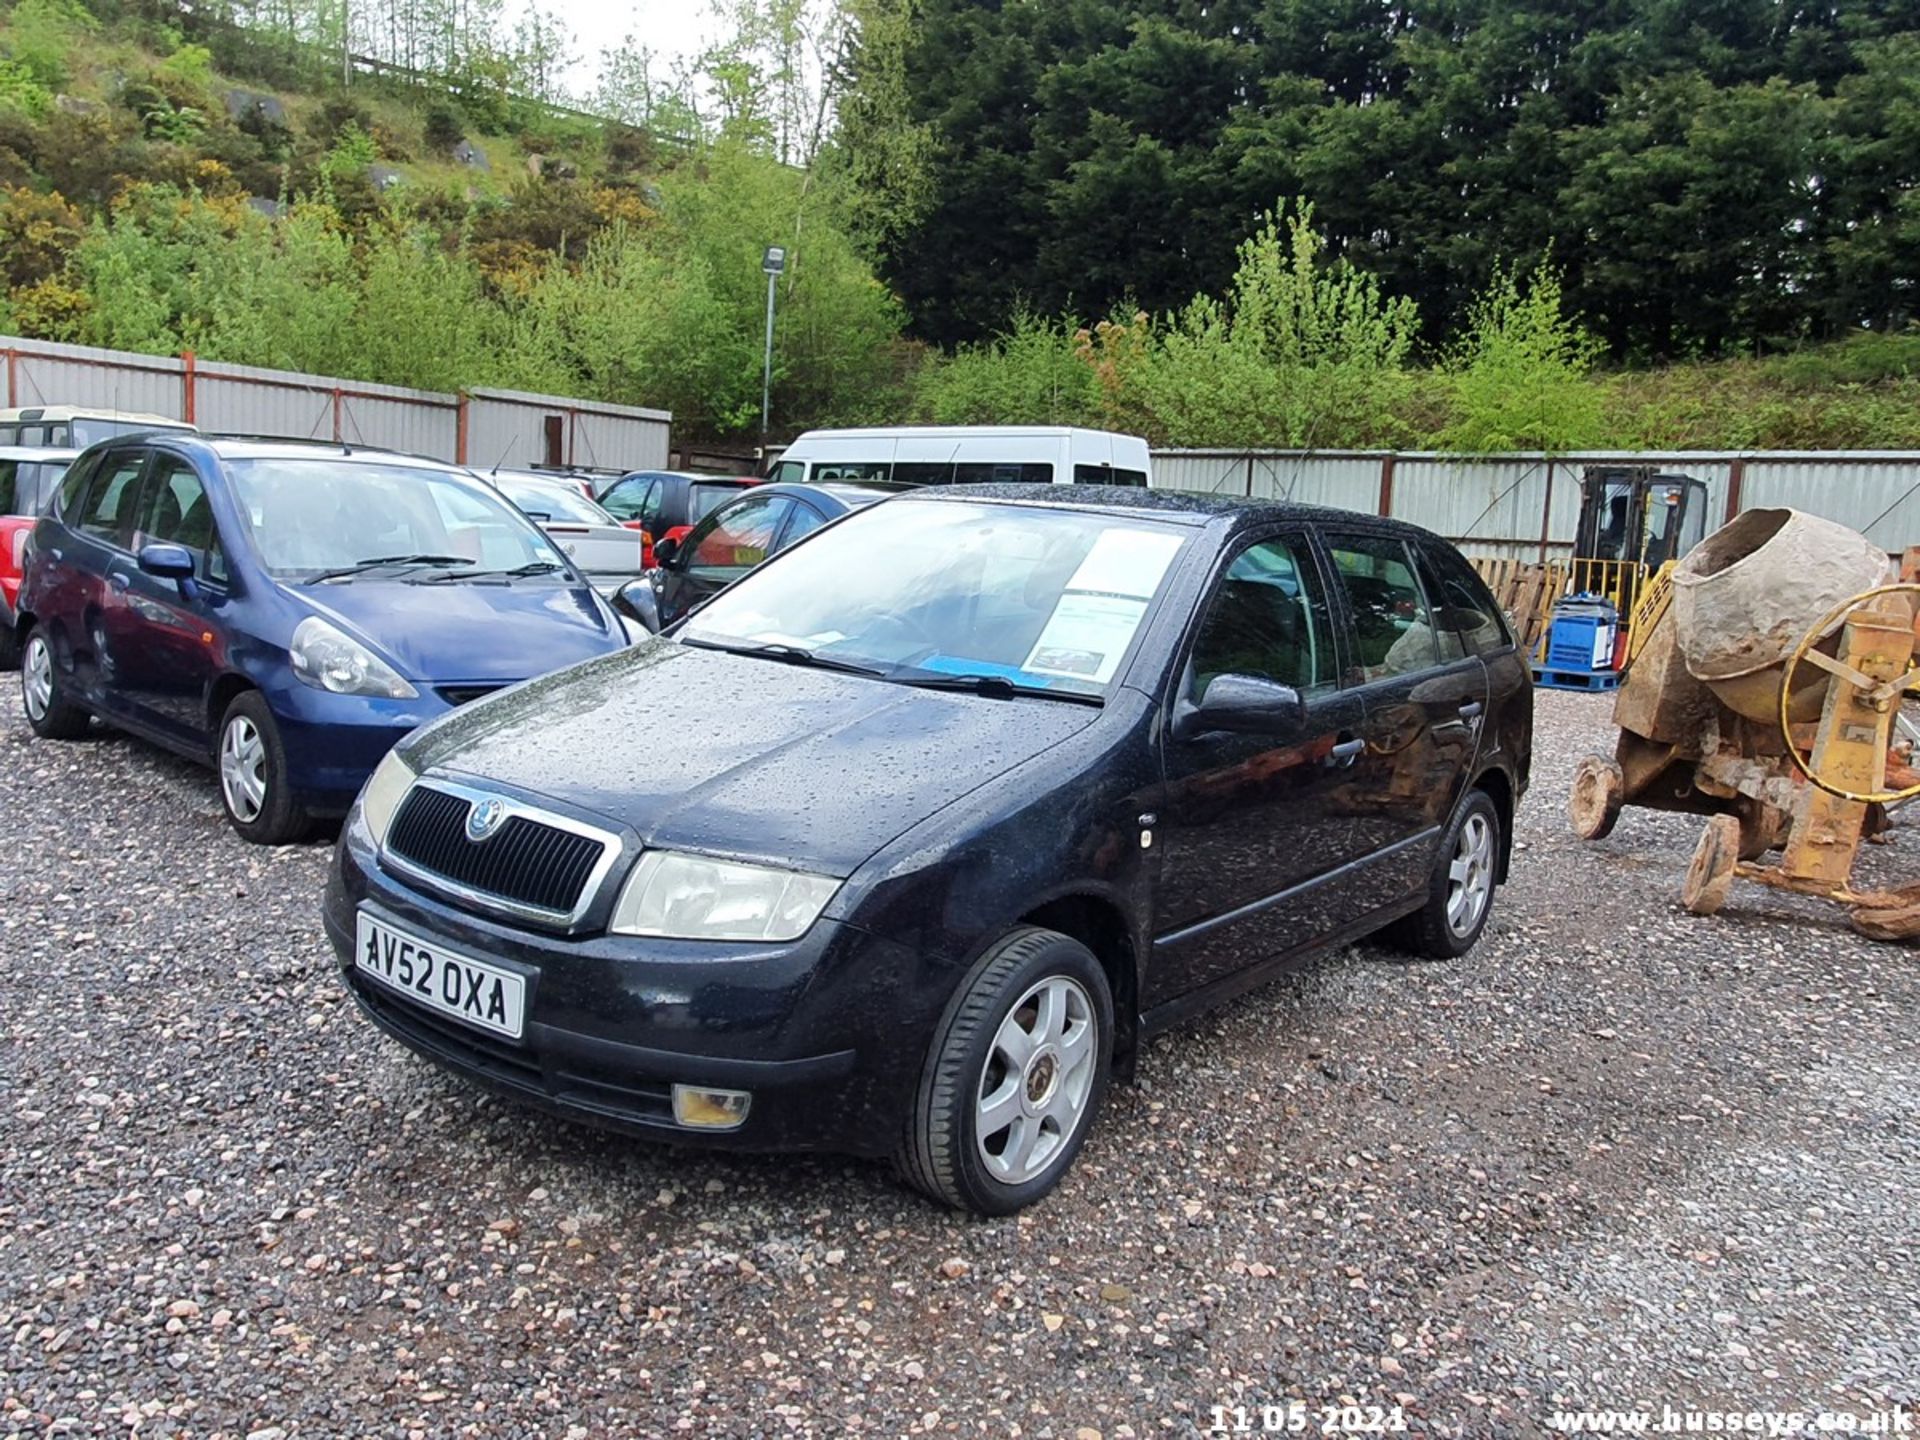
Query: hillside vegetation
[425, 211]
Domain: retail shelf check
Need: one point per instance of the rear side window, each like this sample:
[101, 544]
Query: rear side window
[1467, 608]
[13, 495]
[110, 503]
[706, 499]
[1392, 630]
[36, 484]
[1268, 619]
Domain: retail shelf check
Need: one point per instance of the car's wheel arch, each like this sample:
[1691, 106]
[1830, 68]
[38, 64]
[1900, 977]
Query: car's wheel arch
[225, 689]
[1100, 922]
[1498, 786]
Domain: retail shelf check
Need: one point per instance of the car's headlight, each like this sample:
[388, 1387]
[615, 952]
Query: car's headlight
[386, 787]
[327, 657]
[689, 897]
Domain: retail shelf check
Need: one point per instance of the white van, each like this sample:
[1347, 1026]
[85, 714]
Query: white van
[968, 454]
[76, 426]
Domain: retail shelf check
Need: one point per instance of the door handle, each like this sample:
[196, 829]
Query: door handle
[1471, 710]
[1346, 752]
[118, 580]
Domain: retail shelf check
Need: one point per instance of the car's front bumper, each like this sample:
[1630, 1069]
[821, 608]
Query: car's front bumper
[827, 1034]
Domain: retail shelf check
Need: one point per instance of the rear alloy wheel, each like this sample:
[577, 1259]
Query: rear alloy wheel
[253, 775]
[1460, 894]
[1014, 1078]
[42, 694]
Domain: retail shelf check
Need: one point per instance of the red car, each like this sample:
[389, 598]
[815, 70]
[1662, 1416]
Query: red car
[28, 478]
[668, 503]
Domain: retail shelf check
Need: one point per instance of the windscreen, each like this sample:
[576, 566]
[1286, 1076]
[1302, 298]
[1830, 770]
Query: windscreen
[1051, 599]
[555, 502]
[91, 429]
[311, 516]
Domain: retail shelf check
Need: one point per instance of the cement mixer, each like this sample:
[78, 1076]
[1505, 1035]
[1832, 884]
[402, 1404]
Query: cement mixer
[1764, 695]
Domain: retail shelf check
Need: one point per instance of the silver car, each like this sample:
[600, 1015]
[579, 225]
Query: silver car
[608, 552]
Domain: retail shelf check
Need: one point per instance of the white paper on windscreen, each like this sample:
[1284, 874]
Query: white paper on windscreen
[1102, 606]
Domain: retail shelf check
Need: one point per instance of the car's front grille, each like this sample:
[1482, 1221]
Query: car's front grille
[525, 862]
[465, 694]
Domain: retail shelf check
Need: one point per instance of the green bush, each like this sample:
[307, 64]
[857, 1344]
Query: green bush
[1519, 373]
[45, 33]
[21, 92]
[444, 128]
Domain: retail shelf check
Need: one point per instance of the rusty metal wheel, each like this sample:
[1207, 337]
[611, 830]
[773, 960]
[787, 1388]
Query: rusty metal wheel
[1710, 872]
[1593, 805]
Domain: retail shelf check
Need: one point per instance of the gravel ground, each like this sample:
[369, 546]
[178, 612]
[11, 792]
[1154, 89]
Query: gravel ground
[1616, 1157]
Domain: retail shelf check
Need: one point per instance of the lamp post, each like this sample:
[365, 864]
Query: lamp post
[774, 262]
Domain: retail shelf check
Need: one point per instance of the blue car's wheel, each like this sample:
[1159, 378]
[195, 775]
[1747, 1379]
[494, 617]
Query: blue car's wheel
[43, 694]
[253, 775]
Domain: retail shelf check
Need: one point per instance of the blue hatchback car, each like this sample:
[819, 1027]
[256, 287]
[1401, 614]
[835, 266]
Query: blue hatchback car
[285, 611]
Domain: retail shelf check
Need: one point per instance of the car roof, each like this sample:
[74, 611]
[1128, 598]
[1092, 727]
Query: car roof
[850, 493]
[1182, 507]
[270, 447]
[33, 414]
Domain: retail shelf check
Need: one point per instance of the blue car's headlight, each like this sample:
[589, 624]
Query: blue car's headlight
[328, 658]
[689, 897]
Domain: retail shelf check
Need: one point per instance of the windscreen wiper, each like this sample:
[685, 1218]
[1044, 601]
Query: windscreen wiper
[792, 655]
[377, 562]
[532, 567]
[994, 687]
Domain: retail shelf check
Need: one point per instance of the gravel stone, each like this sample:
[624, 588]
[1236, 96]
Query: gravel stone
[1618, 1156]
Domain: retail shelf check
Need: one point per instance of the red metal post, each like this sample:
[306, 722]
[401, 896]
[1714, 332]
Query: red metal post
[573, 434]
[13, 377]
[1386, 484]
[338, 401]
[1736, 478]
[1546, 515]
[188, 374]
[460, 430]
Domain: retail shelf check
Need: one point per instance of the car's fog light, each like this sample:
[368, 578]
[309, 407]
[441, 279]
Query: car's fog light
[710, 1109]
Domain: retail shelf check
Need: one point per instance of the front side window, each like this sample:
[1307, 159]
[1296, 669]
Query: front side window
[1392, 630]
[110, 503]
[177, 511]
[922, 590]
[312, 516]
[789, 470]
[1268, 618]
[733, 540]
[73, 487]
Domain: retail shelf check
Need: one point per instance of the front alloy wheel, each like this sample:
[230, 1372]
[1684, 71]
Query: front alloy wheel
[253, 775]
[1037, 1080]
[1014, 1076]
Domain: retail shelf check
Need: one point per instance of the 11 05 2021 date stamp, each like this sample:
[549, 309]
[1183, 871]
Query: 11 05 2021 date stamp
[1297, 1417]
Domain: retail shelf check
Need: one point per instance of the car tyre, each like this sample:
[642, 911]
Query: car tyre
[43, 694]
[1014, 1078]
[1460, 894]
[252, 768]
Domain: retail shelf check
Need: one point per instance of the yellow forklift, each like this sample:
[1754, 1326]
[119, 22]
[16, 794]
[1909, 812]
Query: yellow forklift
[1634, 522]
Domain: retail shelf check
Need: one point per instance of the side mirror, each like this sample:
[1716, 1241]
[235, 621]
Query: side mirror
[166, 561]
[1242, 705]
[636, 601]
[664, 551]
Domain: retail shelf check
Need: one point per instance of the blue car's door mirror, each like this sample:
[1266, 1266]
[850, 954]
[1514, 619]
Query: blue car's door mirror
[167, 561]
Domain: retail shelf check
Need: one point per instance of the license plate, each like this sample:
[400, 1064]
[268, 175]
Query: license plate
[431, 975]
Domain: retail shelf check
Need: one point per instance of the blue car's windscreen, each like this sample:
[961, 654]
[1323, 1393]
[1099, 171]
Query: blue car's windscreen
[1047, 599]
[320, 516]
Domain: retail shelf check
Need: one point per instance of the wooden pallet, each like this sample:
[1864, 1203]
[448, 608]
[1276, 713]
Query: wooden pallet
[1526, 591]
[1550, 679]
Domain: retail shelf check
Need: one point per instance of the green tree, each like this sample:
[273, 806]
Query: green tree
[1521, 372]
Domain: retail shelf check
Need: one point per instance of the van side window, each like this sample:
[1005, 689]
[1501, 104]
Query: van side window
[1391, 625]
[852, 470]
[922, 472]
[1109, 475]
[1003, 472]
[788, 471]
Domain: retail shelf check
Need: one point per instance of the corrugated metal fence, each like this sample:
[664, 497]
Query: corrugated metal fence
[1527, 505]
[477, 427]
